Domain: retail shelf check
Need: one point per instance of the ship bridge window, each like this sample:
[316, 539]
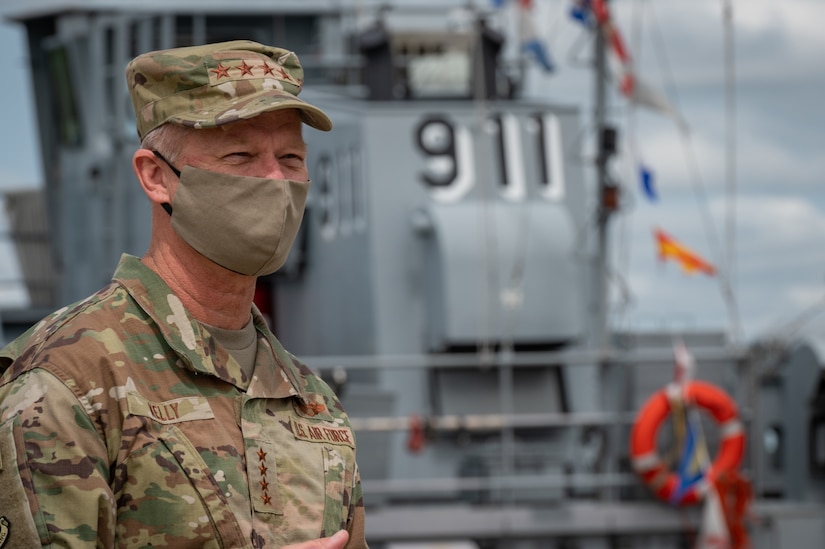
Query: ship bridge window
[437, 65]
[439, 74]
[425, 64]
[145, 34]
[64, 108]
[816, 430]
[818, 445]
[772, 440]
[112, 75]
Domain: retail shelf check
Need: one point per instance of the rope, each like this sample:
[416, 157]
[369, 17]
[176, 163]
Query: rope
[489, 242]
[730, 157]
[724, 274]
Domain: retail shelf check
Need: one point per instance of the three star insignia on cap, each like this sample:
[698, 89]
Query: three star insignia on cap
[247, 70]
[221, 71]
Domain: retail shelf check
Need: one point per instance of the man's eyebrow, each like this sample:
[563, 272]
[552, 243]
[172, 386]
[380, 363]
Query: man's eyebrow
[298, 143]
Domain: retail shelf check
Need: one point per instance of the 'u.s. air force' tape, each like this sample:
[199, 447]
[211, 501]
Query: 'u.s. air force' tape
[316, 432]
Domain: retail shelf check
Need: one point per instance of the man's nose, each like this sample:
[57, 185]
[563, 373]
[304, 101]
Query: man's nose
[273, 169]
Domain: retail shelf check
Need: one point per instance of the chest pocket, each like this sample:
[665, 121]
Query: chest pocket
[169, 490]
[301, 471]
[173, 494]
[339, 473]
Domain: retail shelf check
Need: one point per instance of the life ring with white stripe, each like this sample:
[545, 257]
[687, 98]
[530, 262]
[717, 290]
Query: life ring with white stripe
[643, 451]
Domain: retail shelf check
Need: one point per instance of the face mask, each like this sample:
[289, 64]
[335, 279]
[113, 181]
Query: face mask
[245, 224]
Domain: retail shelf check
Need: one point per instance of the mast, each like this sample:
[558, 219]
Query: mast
[607, 190]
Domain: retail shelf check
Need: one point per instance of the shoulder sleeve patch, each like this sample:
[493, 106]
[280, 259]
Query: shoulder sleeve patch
[17, 527]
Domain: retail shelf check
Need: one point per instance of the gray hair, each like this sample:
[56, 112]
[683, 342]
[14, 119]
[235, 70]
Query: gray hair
[168, 140]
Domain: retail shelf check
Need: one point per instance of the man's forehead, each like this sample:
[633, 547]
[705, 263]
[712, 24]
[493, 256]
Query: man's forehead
[284, 127]
[287, 121]
[273, 121]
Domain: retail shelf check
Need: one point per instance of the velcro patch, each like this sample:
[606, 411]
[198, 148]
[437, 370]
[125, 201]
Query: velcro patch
[17, 524]
[4, 530]
[316, 432]
[170, 411]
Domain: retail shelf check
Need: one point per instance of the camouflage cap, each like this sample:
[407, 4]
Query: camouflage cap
[215, 84]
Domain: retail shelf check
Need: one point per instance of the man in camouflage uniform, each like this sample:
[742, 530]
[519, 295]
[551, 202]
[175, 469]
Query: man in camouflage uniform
[161, 411]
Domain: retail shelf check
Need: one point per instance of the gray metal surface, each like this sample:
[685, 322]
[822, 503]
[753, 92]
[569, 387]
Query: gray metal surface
[441, 283]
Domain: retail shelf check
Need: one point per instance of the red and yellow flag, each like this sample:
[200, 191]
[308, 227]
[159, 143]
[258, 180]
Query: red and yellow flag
[690, 261]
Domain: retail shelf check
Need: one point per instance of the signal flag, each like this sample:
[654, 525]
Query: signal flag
[531, 42]
[713, 533]
[691, 262]
[646, 177]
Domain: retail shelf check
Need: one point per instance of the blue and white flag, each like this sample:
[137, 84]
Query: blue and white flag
[646, 180]
[580, 11]
[692, 463]
[531, 42]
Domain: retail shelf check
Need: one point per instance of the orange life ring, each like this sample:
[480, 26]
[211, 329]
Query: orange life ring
[646, 461]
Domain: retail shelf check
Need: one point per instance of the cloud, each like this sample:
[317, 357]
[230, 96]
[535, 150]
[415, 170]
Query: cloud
[801, 19]
[778, 271]
[780, 219]
[803, 296]
[672, 155]
[663, 297]
[679, 48]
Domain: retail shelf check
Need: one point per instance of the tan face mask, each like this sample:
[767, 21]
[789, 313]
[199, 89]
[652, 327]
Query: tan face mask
[245, 224]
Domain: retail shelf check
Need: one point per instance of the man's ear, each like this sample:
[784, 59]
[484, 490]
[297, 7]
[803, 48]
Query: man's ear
[154, 176]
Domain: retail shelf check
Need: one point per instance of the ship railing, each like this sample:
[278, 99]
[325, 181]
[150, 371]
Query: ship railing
[606, 481]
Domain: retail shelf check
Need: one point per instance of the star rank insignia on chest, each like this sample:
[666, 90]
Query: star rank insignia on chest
[263, 485]
[265, 497]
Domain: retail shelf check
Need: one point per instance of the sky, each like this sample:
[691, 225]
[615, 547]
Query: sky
[777, 274]
[777, 271]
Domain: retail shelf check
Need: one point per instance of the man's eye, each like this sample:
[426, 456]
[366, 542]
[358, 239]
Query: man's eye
[293, 159]
[238, 154]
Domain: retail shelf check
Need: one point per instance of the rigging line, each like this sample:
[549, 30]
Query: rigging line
[582, 43]
[795, 325]
[518, 269]
[491, 297]
[623, 248]
[664, 65]
[730, 130]
[619, 281]
[625, 222]
[623, 239]
[556, 28]
[699, 191]
[515, 282]
[489, 242]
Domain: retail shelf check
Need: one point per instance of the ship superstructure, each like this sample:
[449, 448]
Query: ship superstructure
[448, 279]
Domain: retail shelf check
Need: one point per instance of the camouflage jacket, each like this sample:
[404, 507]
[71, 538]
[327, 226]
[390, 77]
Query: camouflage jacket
[124, 424]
